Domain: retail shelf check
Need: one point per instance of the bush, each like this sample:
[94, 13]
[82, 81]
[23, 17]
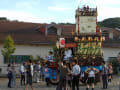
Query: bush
[115, 65]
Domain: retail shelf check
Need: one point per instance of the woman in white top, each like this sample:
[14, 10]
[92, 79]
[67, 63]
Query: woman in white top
[91, 76]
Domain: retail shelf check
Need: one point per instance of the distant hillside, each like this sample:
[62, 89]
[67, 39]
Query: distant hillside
[110, 22]
[3, 18]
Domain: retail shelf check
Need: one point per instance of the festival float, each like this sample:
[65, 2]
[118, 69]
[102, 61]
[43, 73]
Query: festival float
[85, 42]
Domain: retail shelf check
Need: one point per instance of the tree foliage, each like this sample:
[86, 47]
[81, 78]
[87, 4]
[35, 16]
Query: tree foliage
[3, 18]
[8, 47]
[31, 57]
[115, 65]
[110, 22]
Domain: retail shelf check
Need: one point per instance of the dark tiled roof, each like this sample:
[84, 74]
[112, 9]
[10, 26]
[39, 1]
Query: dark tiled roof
[24, 33]
[33, 33]
[30, 33]
[67, 29]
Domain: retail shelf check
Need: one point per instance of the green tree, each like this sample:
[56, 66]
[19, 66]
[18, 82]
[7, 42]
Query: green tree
[110, 22]
[8, 47]
[115, 65]
[31, 57]
[3, 18]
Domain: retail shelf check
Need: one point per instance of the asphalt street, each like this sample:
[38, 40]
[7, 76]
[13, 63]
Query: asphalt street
[42, 86]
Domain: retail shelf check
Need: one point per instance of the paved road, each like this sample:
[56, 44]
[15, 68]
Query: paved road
[41, 86]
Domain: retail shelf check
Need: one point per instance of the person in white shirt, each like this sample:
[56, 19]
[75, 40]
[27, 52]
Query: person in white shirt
[31, 69]
[91, 76]
[22, 72]
[67, 54]
[76, 75]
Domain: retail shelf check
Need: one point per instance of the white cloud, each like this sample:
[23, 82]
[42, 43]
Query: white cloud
[26, 17]
[108, 9]
[28, 4]
[68, 20]
[99, 2]
[91, 3]
[58, 8]
[107, 2]
[108, 13]
[19, 15]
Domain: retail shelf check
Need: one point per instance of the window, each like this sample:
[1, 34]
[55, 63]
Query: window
[112, 58]
[52, 30]
[17, 59]
[106, 34]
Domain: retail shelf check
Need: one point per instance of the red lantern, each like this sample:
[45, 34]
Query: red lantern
[62, 42]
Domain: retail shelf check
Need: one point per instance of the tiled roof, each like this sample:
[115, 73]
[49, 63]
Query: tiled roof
[67, 29]
[34, 33]
[24, 33]
[30, 33]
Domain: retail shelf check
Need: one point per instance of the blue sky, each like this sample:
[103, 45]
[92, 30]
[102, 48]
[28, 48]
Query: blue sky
[46, 11]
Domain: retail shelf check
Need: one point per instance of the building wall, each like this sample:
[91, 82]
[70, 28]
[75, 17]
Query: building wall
[41, 50]
[111, 35]
[110, 52]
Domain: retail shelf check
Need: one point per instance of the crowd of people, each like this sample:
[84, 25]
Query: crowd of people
[86, 11]
[29, 72]
[69, 73]
[71, 76]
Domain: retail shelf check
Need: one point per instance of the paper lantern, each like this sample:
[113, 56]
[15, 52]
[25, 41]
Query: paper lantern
[89, 38]
[95, 39]
[93, 57]
[62, 42]
[76, 39]
[83, 39]
[103, 38]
